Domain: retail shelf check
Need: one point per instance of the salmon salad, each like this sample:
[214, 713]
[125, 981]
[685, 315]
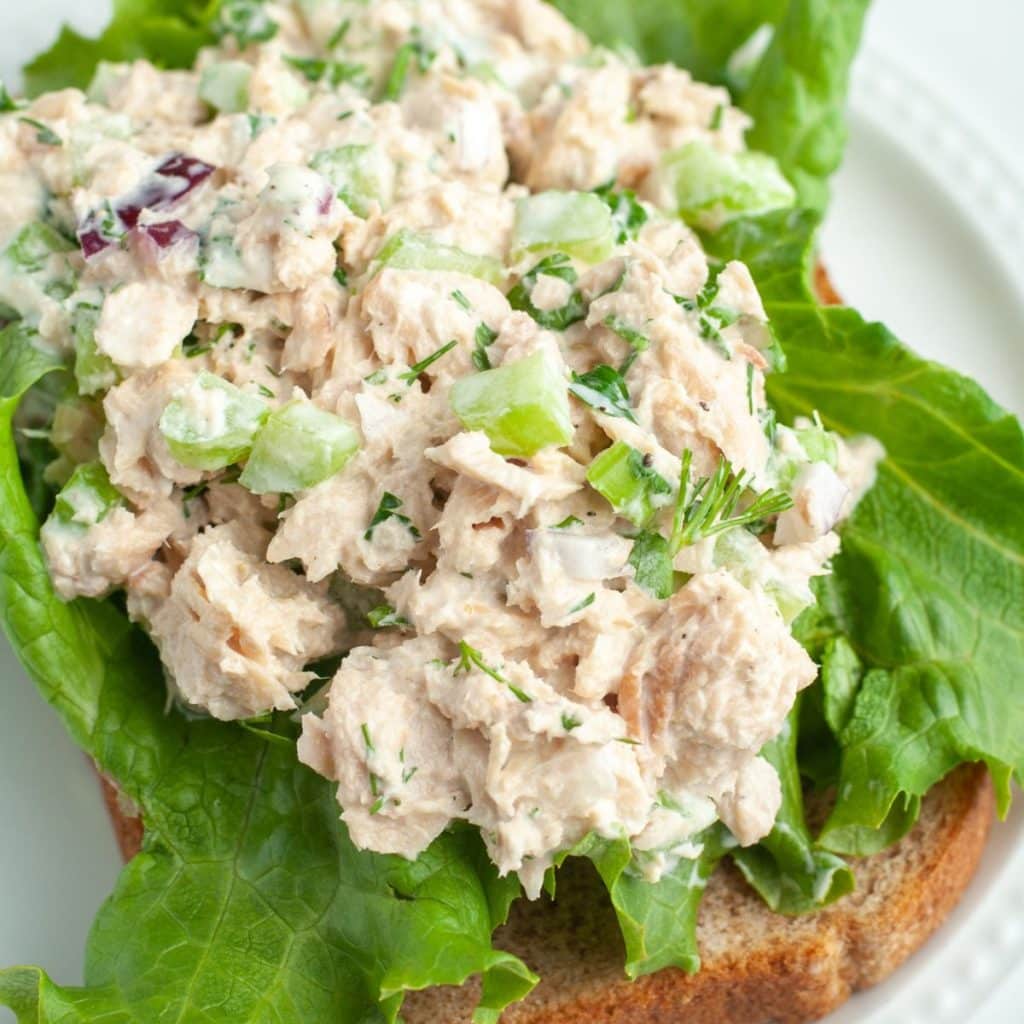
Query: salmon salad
[407, 401]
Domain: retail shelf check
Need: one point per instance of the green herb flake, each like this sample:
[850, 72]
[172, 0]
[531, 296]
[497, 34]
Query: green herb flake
[715, 123]
[388, 509]
[470, 658]
[557, 265]
[570, 722]
[385, 617]
[460, 298]
[416, 369]
[628, 214]
[7, 102]
[483, 338]
[585, 603]
[603, 389]
[45, 135]
[330, 72]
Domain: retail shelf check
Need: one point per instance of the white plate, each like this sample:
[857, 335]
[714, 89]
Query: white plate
[900, 223]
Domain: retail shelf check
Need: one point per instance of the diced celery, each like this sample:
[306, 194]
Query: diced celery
[819, 444]
[712, 187]
[94, 372]
[298, 447]
[33, 245]
[86, 498]
[221, 264]
[522, 407]
[632, 487]
[211, 423]
[225, 86]
[359, 174]
[409, 251]
[578, 223]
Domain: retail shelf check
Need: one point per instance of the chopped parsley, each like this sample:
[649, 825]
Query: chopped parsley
[652, 564]
[246, 20]
[567, 522]
[330, 72]
[570, 722]
[628, 214]
[341, 276]
[460, 298]
[603, 388]
[416, 369]
[388, 509]
[716, 118]
[557, 265]
[385, 617]
[365, 730]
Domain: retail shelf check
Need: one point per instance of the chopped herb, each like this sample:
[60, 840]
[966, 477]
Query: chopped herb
[416, 50]
[45, 135]
[470, 657]
[712, 319]
[192, 346]
[378, 805]
[264, 391]
[271, 370]
[388, 509]
[568, 522]
[484, 337]
[652, 564]
[628, 215]
[258, 123]
[570, 722]
[365, 730]
[628, 740]
[638, 341]
[716, 118]
[330, 72]
[385, 617]
[750, 388]
[341, 276]
[409, 773]
[377, 377]
[557, 265]
[603, 388]
[768, 423]
[345, 115]
[585, 603]
[708, 506]
[461, 299]
[233, 329]
[7, 102]
[246, 20]
[339, 33]
[417, 368]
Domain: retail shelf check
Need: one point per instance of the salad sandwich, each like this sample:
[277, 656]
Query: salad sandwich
[407, 500]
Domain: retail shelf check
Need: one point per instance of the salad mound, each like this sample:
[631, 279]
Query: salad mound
[413, 375]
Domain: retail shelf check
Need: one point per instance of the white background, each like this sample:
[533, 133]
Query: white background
[967, 55]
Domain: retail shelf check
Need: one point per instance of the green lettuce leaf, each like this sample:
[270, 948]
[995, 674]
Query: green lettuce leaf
[658, 920]
[797, 92]
[248, 902]
[792, 874]
[167, 32]
[926, 600]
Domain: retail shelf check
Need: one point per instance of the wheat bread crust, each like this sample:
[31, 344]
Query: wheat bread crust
[757, 966]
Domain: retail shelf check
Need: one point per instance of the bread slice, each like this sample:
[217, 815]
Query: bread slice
[757, 966]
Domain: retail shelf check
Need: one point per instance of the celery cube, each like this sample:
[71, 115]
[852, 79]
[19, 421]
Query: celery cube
[577, 223]
[712, 187]
[522, 407]
[211, 424]
[225, 86]
[409, 251]
[635, 490]
[359, 174]
[298, 447]
[86, 498]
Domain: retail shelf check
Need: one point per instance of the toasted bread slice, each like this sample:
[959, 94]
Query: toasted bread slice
[757, 966]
